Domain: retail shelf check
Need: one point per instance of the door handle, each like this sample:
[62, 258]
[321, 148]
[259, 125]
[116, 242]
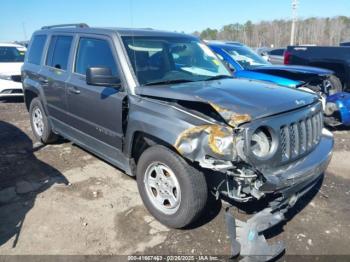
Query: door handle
[73, 90]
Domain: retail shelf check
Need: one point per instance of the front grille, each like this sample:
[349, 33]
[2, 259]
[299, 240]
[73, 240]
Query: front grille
[16, 78]
[300, 137]
[17, 91]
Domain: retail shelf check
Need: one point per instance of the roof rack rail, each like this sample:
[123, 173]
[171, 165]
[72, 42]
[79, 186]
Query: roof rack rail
[79, 25]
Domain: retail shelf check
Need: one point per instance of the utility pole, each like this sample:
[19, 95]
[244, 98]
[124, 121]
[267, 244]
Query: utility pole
[294, 20]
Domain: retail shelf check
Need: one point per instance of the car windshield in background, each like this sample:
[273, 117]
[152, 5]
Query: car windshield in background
[10, 54]
[161, 60]
[246, 57]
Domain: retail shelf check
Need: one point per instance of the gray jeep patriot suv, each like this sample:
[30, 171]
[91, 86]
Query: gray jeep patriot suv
[162, 107]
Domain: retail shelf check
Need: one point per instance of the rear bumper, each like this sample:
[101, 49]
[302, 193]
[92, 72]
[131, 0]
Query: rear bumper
[10, 88]
[296, 176]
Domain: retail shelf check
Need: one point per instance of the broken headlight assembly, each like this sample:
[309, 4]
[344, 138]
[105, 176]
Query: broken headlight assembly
[243, 181]
[213, 146]
[220, 141]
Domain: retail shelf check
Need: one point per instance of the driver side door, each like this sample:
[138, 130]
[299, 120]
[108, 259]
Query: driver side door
[95, 112]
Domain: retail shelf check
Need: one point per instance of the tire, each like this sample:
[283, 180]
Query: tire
[332, 85]
[41, 129]
[190, 187]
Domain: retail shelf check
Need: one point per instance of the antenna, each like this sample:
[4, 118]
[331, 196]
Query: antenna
[295, 6]
[24, 31]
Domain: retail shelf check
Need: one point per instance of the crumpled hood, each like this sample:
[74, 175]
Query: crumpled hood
[294, 69]
[239, 96]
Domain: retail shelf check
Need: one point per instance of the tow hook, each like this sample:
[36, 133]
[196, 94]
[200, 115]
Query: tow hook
[247, 239]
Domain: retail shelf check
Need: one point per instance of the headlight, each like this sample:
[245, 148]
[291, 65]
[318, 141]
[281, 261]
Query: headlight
[212, 140]
[5, 77]
[330, 108]
[261, 143]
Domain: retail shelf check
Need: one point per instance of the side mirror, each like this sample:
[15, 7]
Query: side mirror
[102, 76]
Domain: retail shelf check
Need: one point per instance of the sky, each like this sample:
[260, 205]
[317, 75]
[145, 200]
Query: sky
[19, 18]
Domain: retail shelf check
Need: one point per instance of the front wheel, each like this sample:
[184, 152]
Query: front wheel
[174, 192]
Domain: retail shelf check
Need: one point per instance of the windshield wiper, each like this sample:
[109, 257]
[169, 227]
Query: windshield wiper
[218, 77]
[170, 81]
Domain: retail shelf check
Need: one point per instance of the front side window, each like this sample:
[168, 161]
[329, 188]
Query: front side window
[246, 57]
[58, 53]
[159, 59]
[36, 49]
[94, 53]
[10, 54]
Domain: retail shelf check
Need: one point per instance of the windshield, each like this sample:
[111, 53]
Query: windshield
[11, 54]
[170, 59]
[246, 57]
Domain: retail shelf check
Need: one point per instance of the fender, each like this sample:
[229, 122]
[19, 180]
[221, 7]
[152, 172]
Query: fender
[159, 118]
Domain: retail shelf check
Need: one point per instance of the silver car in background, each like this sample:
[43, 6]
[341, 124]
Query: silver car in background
[275, 56]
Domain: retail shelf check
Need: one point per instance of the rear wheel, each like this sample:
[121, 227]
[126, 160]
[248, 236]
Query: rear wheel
[173, 191]
[40, 125]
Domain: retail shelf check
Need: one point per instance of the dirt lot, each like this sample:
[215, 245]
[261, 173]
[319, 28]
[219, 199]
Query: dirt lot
[59, 199]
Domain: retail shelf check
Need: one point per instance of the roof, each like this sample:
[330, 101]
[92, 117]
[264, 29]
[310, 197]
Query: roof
[110, 30]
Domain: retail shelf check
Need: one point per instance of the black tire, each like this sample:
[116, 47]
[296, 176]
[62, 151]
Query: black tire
[47, 136]
[335, 85]
[192, 183]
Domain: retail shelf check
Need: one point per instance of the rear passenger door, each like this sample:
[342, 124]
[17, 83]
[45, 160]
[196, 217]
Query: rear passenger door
[95, 111]
[55, 74]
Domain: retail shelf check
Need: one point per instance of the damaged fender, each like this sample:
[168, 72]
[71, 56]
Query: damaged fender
[213, 146]
[207, 143]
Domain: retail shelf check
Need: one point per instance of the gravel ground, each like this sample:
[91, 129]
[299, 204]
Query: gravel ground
[59, 199]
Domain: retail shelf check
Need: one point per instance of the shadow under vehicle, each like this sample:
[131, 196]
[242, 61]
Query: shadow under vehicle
[22, 178]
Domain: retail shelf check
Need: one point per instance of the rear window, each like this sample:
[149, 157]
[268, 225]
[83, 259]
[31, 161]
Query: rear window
[58, 53]
[36, 49]
[11, 54]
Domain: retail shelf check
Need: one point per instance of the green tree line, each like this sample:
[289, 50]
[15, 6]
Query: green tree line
[314, 30]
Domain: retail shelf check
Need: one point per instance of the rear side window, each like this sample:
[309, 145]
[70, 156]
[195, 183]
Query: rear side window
[94, 53]
[36, 49]
[58, 53]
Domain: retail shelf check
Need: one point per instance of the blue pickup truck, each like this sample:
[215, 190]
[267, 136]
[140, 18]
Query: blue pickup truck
[245, 63]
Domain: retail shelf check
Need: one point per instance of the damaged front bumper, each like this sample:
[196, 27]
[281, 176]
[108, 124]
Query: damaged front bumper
[247, 238]
[290, 184]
